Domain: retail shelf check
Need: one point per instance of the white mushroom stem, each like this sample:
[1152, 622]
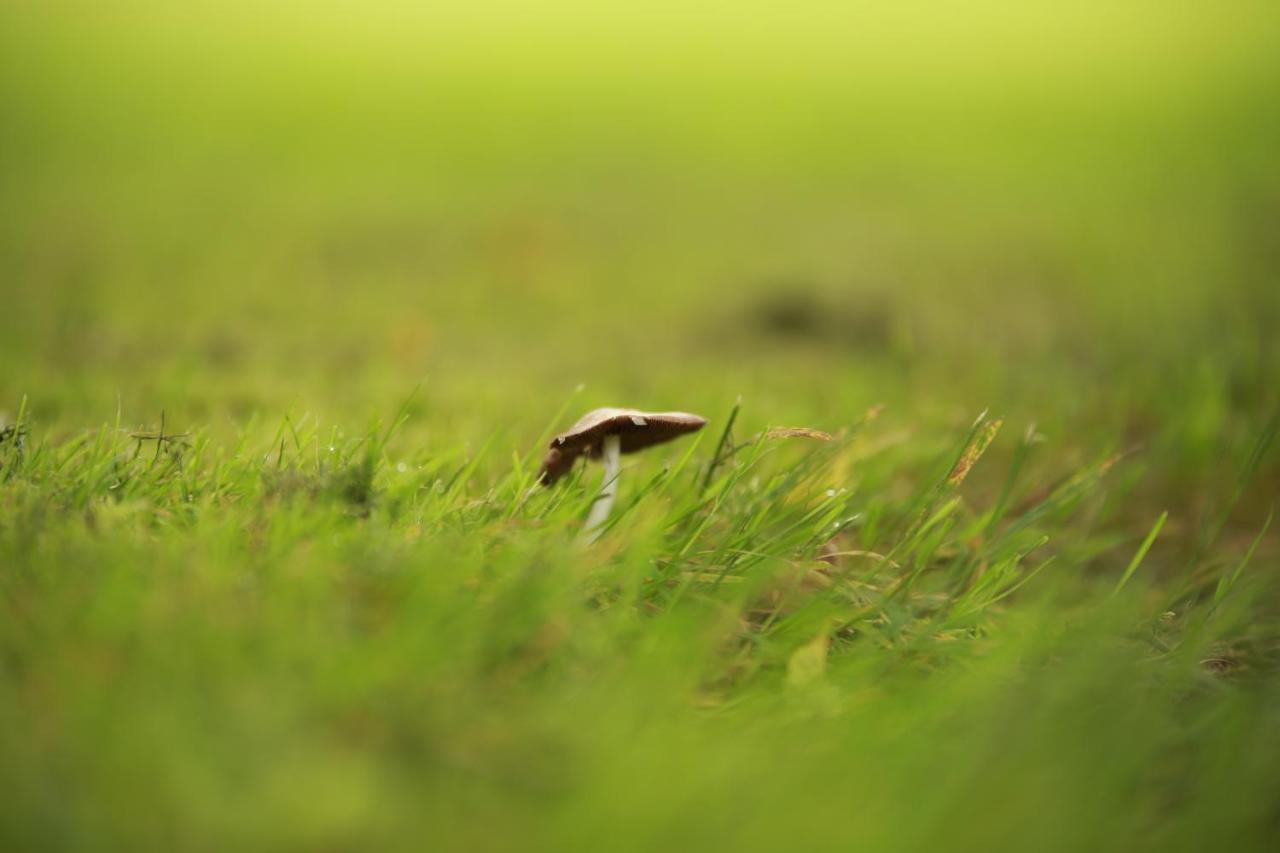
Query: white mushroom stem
[604, 502]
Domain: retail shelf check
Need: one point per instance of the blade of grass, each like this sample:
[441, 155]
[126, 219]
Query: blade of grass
[1228, 581]
[1142, 552]
[720, 446]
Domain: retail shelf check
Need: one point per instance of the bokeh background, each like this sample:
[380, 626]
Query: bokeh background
[213, 209]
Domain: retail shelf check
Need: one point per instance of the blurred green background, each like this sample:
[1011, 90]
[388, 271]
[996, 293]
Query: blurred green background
[219, 208]
[233, 212]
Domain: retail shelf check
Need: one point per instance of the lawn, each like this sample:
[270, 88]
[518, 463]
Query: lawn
[976, 551]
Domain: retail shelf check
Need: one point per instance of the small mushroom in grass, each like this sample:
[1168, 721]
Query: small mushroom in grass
[607, 434]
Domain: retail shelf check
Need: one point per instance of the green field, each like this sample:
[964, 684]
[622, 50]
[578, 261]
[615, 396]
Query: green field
[293, 296]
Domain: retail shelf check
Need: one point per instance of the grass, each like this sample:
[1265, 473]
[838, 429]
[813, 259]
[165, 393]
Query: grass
[330, 640]
[283, 339]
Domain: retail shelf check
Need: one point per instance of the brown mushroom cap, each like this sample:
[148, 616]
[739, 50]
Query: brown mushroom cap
[635, 429]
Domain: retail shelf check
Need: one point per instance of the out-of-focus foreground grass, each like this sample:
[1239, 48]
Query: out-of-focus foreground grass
[289, 629]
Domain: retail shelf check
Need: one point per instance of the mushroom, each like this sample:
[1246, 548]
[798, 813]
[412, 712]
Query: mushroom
[607, 434]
